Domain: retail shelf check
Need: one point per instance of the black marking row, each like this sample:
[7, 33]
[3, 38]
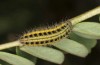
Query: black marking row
[45, 33]
[46, 41]
[28, 42]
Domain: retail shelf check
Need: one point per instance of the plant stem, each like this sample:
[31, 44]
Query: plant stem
[10, 44]
[74, 21]
[85, 16]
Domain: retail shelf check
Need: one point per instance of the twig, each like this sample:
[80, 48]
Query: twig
[74, 21]
[85, 16]
[10, 44]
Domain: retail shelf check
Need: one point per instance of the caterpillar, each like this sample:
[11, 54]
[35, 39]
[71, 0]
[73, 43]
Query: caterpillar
[47, 35]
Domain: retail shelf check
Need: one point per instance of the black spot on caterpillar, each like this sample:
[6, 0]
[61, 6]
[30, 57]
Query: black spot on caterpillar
[46, 36]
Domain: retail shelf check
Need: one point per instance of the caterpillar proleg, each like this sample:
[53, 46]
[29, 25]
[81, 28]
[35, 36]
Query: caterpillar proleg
[46, 36]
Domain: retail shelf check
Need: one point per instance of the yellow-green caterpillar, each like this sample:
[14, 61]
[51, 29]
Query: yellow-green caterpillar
[46, 36]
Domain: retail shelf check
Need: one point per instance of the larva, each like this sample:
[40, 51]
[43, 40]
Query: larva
[46, 36]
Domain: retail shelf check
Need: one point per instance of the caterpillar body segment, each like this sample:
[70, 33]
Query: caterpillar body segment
[46, 36]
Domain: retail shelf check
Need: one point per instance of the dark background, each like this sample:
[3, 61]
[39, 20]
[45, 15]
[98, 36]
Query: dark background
[17, 16]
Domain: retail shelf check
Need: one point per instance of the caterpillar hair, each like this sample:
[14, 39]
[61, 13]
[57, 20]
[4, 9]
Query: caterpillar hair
[46, 35]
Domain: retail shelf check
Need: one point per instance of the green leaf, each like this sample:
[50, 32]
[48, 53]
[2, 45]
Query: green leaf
[89, 30]
[26, 55]
[4, 63]
[45, 53]
[72, 47]
[89, 43]
[14, 59]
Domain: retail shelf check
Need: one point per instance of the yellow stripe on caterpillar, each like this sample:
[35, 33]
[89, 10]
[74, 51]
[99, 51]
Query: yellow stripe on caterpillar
[47, 32]
[39, 37]
[45, 41]
[43, 36]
